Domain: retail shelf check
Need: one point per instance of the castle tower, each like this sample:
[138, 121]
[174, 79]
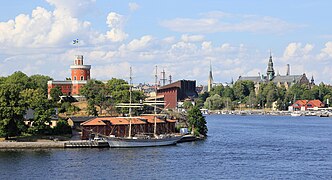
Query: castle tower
[270, 71]
[79, 71]
[210, 80]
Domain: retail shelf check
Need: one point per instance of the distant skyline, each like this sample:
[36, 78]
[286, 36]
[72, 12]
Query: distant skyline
[181, 37]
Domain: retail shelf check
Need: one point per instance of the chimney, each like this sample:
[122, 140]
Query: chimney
[288, 70]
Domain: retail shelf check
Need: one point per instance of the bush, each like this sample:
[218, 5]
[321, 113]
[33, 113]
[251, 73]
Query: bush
[62, 127]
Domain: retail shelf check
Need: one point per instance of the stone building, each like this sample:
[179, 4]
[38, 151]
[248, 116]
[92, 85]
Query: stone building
[286, 80]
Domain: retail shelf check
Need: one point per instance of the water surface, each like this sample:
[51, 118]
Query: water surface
[238, 147]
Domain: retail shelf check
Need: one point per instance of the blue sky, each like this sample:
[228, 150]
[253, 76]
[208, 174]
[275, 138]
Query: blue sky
[181, 37]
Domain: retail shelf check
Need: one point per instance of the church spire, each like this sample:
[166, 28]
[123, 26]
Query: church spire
[312, 80]
[270, 71]
[210, 80]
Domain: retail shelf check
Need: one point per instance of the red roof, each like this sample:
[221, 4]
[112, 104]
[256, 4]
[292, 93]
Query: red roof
[100, 121]
[316, 103]
[309, 104]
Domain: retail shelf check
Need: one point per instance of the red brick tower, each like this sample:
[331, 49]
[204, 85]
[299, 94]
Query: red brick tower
[79, 71]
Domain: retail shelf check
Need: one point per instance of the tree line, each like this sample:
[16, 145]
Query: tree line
[18, 93]
[243, 93]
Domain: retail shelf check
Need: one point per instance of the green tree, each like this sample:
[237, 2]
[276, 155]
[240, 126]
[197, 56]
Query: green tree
[62, 127]
[55, 93]
[214, 102]
[228, 93]
[43, 109]
[187, 105]
[243, 89]
[197, 121]
[11, 110]
[96, 94]
[217, 90]
[39, 81]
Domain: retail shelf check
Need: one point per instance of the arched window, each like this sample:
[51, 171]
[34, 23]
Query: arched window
[82, 78]
[74, 78]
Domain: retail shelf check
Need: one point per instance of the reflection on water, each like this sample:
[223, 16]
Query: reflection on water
[238, 147]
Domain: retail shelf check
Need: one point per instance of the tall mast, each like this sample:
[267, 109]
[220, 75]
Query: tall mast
[130, 81]
[155, 105]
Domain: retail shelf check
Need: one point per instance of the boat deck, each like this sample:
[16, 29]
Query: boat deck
[87, 144]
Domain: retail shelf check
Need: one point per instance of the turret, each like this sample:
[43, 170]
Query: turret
[79, 71]
[270, 71]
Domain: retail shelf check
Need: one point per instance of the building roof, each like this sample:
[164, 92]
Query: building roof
[313, 103]
[255, 79]
[288, 79]
[316, 103]
[81, 118]
[150, 119]
[101, 121]
[276, 79]
[300, 103]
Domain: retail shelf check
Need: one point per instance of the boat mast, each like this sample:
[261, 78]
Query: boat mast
[155, 105]
[130, 81]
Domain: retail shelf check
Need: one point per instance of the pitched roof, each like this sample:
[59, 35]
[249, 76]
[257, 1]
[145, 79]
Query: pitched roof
[255, 79]
[288, 79]
[101, 121]
[81, 118]
[300, 103]
[150, 119]
[316, 103]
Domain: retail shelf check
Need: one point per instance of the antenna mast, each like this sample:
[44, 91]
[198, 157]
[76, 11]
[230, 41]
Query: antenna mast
[163, 77]
[155, 105]
[130, 86]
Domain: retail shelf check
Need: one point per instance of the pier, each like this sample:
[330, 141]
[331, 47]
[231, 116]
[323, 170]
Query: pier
[86, 144]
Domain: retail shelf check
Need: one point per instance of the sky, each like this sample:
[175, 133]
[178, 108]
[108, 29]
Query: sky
[180, 37]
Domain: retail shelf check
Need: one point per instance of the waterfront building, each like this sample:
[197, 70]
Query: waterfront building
[119, 126]
[178, 91]
[286, 80]
[303, 105]
[80, 74]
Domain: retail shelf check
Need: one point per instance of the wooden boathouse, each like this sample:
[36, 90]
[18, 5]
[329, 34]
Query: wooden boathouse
[119, 126]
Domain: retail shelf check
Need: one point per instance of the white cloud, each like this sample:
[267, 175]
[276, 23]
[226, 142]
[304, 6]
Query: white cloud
[140, 44]
[133, 6]
[326, 52]
[218, 21]
[192, 38]
[71, 8]
[295, 50]
[115, 22]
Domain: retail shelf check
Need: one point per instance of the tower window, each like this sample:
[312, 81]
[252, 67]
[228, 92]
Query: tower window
[82, 78]
[74, 78]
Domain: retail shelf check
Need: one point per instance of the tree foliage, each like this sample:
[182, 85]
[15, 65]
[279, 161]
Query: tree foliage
[55, 93]
[104, 95]
[18, 92]
[197, 121]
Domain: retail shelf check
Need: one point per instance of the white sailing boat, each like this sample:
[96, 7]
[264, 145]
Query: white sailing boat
[142, 141]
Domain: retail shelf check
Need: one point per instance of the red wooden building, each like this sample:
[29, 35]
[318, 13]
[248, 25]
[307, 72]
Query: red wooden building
[177, 91]
[305, 104]
[119, 126]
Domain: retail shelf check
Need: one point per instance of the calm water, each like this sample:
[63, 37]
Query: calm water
[238, 147]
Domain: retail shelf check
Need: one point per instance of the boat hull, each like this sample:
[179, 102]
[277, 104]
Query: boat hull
[129, 143]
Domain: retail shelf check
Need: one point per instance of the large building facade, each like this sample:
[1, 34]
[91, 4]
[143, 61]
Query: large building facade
[286, 80]
[176, 92]
[80, 74]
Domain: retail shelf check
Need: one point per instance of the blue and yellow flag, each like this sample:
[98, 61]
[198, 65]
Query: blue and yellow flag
[75, 41]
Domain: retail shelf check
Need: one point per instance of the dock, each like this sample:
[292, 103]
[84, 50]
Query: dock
[86, 144]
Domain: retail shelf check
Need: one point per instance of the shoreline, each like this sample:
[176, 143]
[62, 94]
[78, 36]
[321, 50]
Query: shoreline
[32, 145]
